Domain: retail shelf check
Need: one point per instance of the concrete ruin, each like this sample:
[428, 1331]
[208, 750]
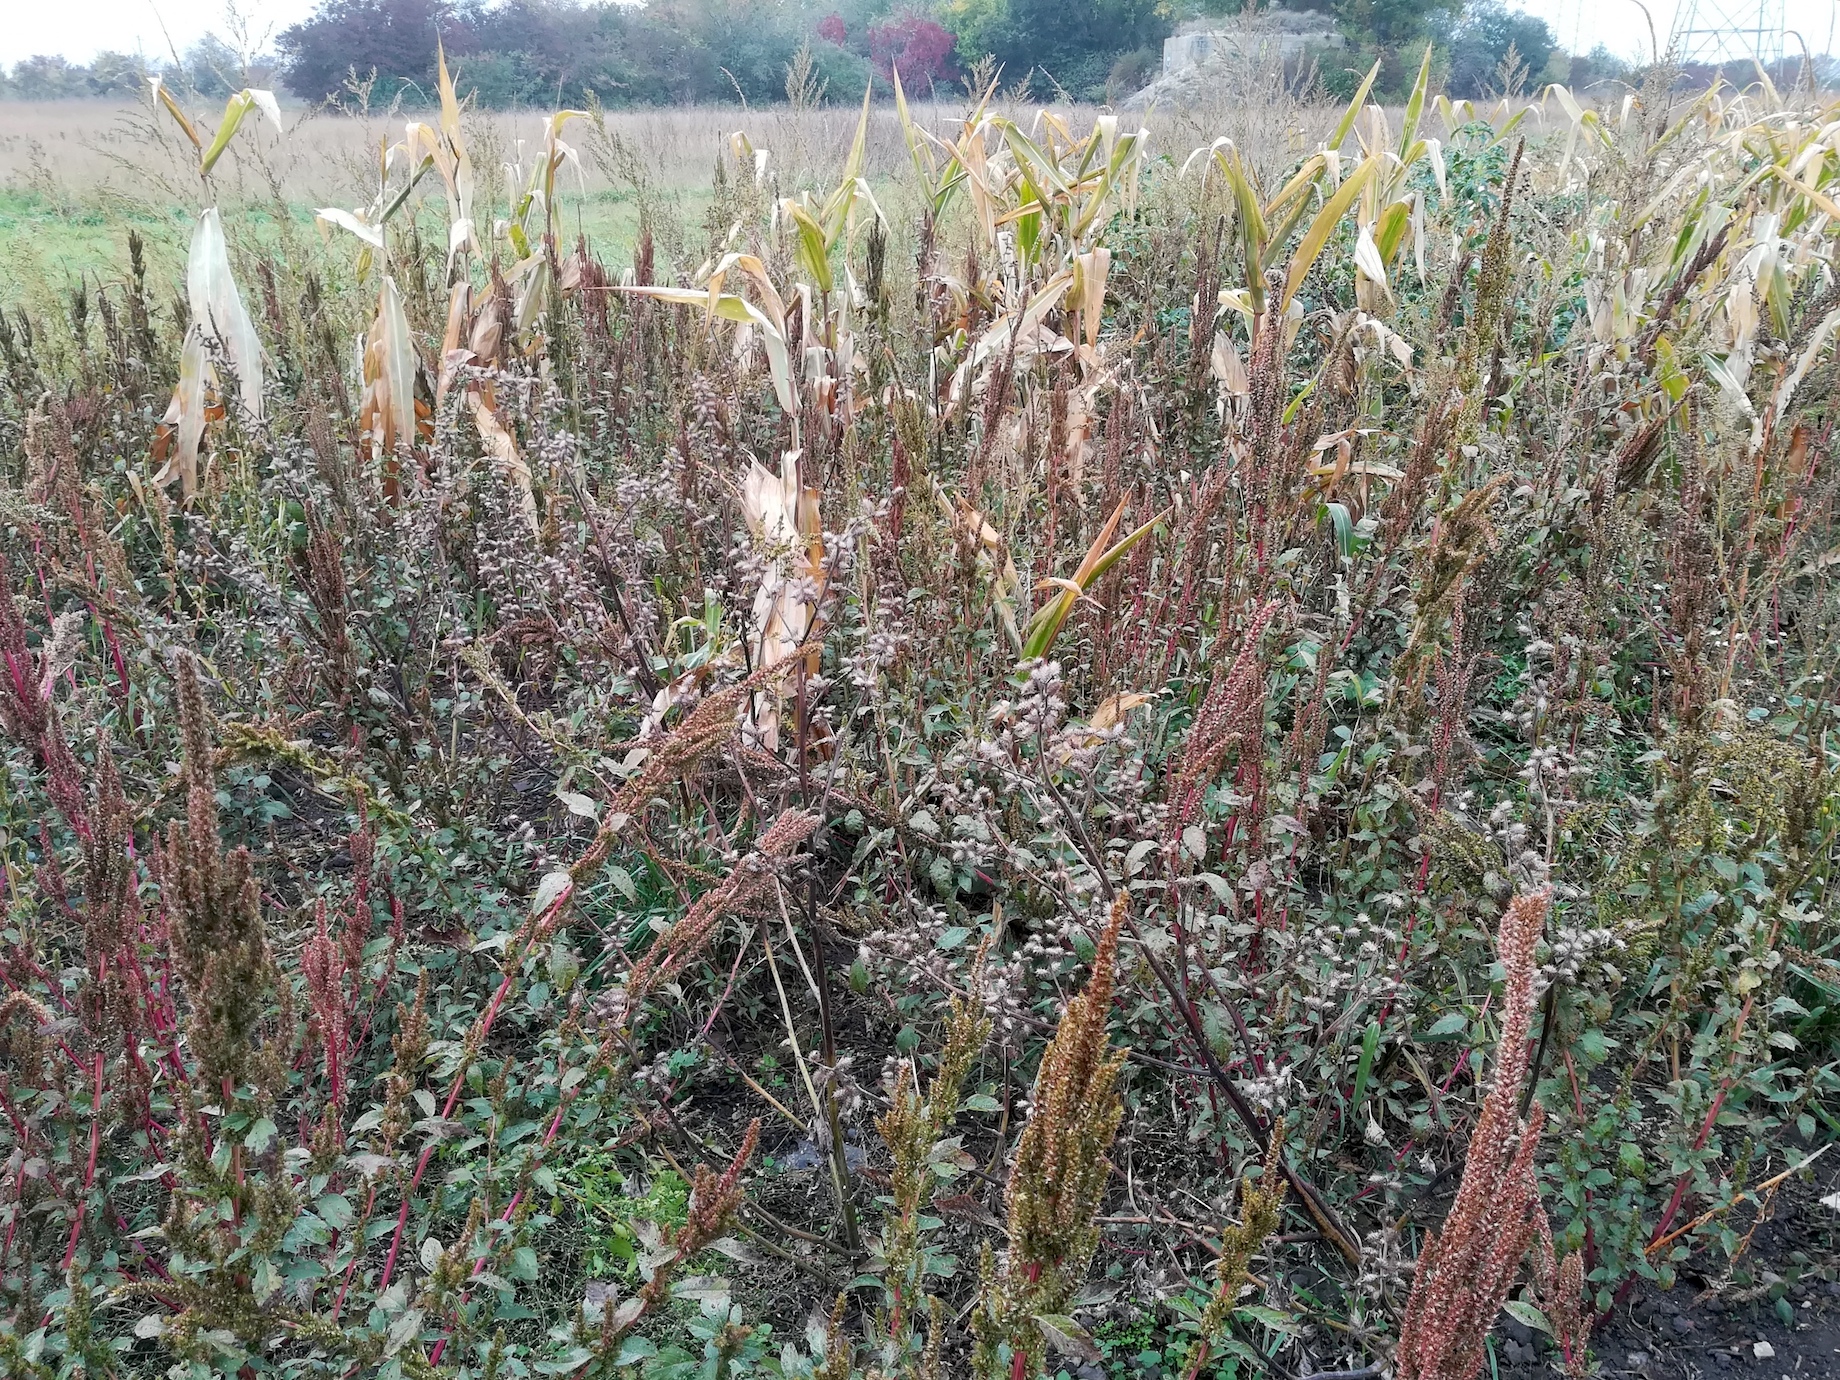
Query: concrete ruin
[1201, 50]
[1280, 34]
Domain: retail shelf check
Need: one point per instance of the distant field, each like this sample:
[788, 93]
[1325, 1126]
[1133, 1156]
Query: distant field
[48, 242]
[76, 177]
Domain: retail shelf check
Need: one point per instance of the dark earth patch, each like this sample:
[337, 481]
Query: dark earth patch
[1774, 1312]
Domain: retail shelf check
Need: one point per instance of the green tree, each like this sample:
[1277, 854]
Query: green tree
[395, 38]
[1392, 23]
[117, 74]
[47, 78]
[1075, 42]
[1481, 42]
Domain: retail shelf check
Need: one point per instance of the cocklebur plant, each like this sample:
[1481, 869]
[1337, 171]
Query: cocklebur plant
[923, 1158]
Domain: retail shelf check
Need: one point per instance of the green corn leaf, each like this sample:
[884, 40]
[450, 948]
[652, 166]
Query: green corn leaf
[1390, 230]
[1344, 528]
[1046, 625]
[1320, 229]
[235, 109]
[421, 171]
[1296, 192]
[1415, 107]
[810, 245]
[1353, 112]
[1370, 1044]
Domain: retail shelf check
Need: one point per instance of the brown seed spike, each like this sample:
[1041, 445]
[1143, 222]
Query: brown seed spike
[220, 944]
[1057, 1180]
[1465, 1271]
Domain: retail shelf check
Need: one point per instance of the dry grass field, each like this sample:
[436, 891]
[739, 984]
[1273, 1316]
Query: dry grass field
[74, 176]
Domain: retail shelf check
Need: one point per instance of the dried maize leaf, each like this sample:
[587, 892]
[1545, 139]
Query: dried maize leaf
[165, 98]
[397, 360]
[453, 353]
[181, 430]
[346, 220]
[459, 170]
[217, 309]
[387, 415]
[501, 448]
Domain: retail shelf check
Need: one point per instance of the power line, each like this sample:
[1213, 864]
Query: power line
[1715, 31]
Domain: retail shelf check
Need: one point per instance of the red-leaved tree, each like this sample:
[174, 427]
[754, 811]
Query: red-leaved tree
[916, 46]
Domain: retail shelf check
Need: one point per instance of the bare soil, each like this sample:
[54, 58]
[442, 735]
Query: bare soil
[1774, 1312]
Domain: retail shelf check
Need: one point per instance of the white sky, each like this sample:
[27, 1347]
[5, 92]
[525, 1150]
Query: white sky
[80, 28]
[1619, 24]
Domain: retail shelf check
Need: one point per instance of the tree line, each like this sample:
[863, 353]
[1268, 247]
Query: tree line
[539, 53]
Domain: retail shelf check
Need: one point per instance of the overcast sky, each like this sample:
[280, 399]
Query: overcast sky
[1619, 24]
[80, 28]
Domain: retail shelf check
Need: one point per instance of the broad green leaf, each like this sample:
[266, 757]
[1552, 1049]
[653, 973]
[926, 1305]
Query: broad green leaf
[1527, 1315]
[1320, 229]
[1448, 1027]
[550, 893]
[1066, 1336]
[260, 1136]
[1353, 112]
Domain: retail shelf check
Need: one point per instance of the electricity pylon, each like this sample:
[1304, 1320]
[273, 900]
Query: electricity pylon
[1717, 31]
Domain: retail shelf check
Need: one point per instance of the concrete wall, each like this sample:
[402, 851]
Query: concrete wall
[1285, 35]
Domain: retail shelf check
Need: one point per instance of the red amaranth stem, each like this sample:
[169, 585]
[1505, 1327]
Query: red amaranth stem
[479, 1266]
[89, 1172]
[536, 926]
[1679, 1195]
[113, 642]
[1699, 1141]
[1019, 1364]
